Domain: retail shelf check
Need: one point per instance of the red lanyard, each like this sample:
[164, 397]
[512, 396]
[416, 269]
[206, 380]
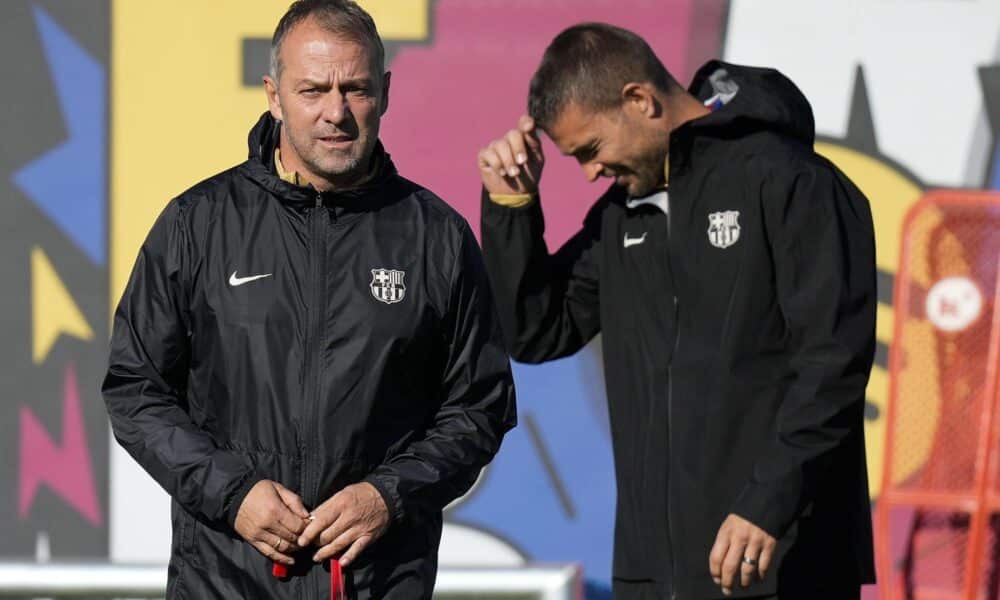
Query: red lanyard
[336, 578]
[336, 581]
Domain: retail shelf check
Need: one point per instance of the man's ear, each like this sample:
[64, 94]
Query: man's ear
[386, 80]
[273, 101]
[641, 100]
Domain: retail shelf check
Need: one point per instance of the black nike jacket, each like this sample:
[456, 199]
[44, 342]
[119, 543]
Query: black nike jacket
[272, 332]
[737, 314]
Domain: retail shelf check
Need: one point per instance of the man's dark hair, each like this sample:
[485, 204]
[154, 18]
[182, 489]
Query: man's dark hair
[343, 18]
[588, 65]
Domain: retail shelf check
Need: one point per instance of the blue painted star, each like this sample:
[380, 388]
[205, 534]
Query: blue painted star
[551, 489]
[68, 183]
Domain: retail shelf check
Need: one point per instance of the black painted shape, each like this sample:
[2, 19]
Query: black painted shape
[256, 54]
[989, 79]
[860, 125]
[884, 282]
[256, 57]
[872, 411]
[535, 434]
[881, 355]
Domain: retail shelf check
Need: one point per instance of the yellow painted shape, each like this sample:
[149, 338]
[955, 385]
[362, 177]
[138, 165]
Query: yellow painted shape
[890, 192]
[179, 110]
[883, 323]
[53, 310]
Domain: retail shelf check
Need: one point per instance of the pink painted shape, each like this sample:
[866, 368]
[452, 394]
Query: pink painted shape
[66, 467]
[470, 83]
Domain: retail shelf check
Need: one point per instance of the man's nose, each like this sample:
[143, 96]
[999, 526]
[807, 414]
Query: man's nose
[592, 170]
[335, 109]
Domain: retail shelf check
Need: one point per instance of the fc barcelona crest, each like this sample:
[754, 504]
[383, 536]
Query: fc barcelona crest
[724, 228]
[387, 285]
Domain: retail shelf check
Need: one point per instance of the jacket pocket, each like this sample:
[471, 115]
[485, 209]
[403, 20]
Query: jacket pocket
[188, 532]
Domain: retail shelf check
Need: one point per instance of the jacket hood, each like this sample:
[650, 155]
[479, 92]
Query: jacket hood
[754, 99]
[262, 141]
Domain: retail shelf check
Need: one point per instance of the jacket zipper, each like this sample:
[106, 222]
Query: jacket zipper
[670, 410]
[314, 349]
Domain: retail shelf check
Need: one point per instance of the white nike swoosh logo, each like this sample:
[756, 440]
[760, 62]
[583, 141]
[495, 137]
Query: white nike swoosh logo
[235, 281]
[634, 241]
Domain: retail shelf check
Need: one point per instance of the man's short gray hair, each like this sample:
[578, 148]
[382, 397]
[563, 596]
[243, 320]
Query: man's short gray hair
[343, 18]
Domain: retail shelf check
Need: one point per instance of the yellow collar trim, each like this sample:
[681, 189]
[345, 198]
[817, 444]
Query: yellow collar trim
[292, 178]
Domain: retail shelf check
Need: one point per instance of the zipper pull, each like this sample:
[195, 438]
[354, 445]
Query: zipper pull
[319, 200]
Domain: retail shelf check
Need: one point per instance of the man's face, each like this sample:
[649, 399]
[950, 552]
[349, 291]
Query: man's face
[330, 98]
[616, 143]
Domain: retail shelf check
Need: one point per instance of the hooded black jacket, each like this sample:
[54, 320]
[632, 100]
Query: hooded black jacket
[315, 376]
[735, 366]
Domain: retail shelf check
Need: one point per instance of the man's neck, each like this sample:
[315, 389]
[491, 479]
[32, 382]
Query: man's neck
[682, 108]
[685, 108]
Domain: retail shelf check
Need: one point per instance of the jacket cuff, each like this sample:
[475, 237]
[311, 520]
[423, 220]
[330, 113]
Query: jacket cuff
[238, 495]
[390, 496]
[502, 207]
[771, 506]
[512, 200]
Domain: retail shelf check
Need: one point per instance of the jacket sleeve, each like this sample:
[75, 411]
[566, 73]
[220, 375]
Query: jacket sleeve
[549, 304]
[476, 402]
[145, 386]
[822, 246]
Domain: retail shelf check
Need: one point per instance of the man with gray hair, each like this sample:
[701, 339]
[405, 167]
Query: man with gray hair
[307, 357]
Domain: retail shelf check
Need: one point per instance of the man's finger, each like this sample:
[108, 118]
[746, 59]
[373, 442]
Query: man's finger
[352, 553]
[273, 554]
[292, 501]
[516, 141]
[748, 572]
[766, 554]
[731, 565]
[292, 522]
[489, 160]
[321, 519]
[716, 556]
[503, 150]
[278, 530]
[331, 533]
[337, 546]
[280, 519]
[531, 139]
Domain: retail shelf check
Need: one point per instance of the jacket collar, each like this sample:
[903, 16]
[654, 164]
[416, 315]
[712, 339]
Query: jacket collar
[260, 167]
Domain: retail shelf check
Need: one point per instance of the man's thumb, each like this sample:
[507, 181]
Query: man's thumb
[292, 500]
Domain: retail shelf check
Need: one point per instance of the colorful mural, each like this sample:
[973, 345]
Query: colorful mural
[114, 107]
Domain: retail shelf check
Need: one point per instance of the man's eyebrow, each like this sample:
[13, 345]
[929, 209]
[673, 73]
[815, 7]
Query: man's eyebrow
[356, 82]
[308, 81]
[587, 146]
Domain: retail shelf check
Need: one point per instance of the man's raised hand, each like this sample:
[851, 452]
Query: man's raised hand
[512, 163]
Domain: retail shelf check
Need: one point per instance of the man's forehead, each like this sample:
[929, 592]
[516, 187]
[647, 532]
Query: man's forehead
[573, 128]
[308, 45]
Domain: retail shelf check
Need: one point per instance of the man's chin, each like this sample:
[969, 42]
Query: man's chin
[638, 190]
[341, 169]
